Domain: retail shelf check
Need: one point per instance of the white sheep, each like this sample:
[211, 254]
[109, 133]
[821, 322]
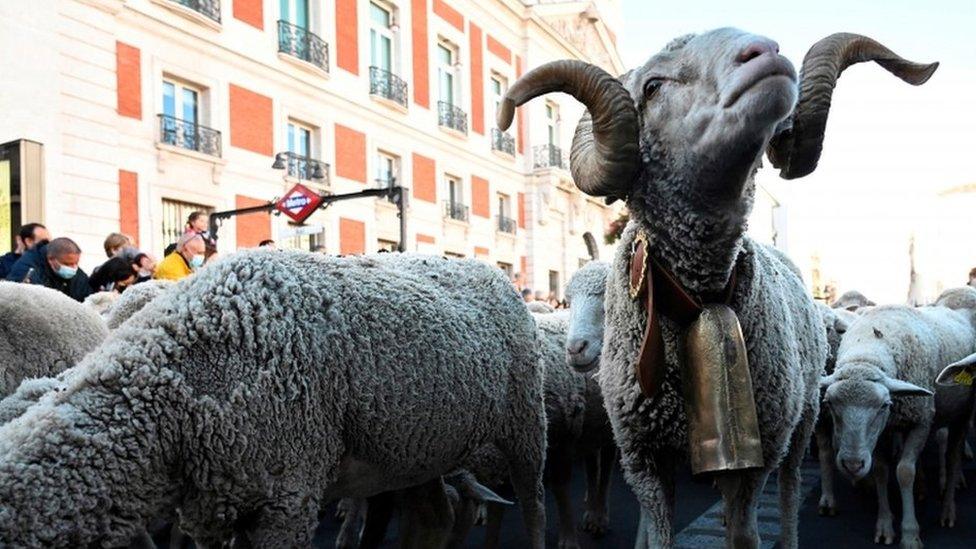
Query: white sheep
[101, 302]
[680, 139]
[852, 300]
[133, 300]
[886, 369]
[273, 381]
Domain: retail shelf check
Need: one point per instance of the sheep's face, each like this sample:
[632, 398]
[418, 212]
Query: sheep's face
[708, 106]
[584, 340]
[860, 405]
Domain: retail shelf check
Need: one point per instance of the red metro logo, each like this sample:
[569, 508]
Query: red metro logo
[299, 203]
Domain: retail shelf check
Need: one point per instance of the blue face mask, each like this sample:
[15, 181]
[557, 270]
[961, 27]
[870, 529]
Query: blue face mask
[67, 273]
[196, 262]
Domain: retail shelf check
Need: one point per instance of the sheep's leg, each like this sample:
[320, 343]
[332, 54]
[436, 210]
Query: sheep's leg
[353, 510]
[493, 524]
[825, 454]
[289, 522]
[912, 447]
[789, 477]
[884, 530]
[561, 471]
[956, 436]
[596, 518]
[942, 438]
[427, 518]
[379, 511]
[142, 540]
[523, 444]
[653, 484]
[740, 495]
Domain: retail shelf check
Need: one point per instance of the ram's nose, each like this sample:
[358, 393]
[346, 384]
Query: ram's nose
[756, 47]
[577, 346]
[854, 466]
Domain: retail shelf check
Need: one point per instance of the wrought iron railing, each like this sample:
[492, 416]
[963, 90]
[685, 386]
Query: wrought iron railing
[502, 142]
[207, 8]
[387, 85]
[455, 210]
[304, 167]
[506, 224]
[549, 156]
[385, 182]
[452, 117]
[188, 135]
[304, 44]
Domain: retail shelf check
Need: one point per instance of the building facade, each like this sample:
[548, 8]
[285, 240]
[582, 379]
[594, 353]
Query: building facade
[125, 115]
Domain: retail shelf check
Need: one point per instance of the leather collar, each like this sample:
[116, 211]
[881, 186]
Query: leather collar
[663, 295]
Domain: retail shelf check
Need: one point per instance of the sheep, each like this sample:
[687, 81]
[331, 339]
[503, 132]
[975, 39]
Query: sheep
[43, 333]
[539, 307]
[680, 139]
[852, 300]
[101, 302]
[270, 382]
[891, 353]
[133, 300]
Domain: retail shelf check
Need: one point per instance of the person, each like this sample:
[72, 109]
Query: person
[144, 266]
[116, 274]
[186, 258]
[539, 296]
[199, 222]
[553, 300]
[268, 243]
[115, 243]
[26, 238]
[527, 295]
[972, 277]
[54, 265]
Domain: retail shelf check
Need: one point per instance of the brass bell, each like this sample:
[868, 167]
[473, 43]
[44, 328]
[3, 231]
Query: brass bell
[723, 430]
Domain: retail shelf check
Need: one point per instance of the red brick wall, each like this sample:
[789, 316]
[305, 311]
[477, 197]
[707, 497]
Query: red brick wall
[524, 270]
[352, 236]
[521, 111]
[350, 153]
[424, 178]
[499, 50]
[480, 203]
[129, 205]
[251, 125]
[480, 251]
[421, 53]
[347, 40]
[521, 210]
[250, 11]
[425, 238]
[449, 14]
[477, 81]
[252, 228]
[128, 81]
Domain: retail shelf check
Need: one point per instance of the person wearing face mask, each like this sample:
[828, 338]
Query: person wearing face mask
[54, 265]
[29, 236]
[187, 257]
[116, 274]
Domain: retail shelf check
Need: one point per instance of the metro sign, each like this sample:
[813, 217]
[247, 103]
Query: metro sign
[299, 203]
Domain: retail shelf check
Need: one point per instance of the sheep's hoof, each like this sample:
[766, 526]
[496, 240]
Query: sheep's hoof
[595, 523]
[884, 532]
[569, 542]
[827, 507]
[911, 542]
[948, 515]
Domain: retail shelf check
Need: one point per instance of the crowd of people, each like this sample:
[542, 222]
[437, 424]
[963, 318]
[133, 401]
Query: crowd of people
[54, 262]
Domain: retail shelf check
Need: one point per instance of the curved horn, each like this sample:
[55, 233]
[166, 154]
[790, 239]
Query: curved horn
[605, 154]
[796, 150]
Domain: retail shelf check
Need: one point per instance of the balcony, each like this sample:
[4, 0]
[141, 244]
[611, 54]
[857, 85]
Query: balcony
[305, 168]
[502, 142]
[455, 211]
[549, 156]
[451, 117]
[207, 8]
[386, 85]
[506, 224]
[303, 44]
[189, 135]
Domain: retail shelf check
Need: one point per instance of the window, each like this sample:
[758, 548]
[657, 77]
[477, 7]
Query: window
[498, 88]
[453, 255]
[295, 12]
[446, 81]
[175, 214]
[552, 123]
[454, 207]
[504, 206]
[387, 169]
[387, 245]
[301, 162]
[381, 50]
[554, 283]
[181, 122]
[181, 102]
[454, 190]
[507, 269]
[299, 139]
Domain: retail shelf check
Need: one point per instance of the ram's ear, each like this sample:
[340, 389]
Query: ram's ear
[959, 373]
[841, 325]
[901, 388]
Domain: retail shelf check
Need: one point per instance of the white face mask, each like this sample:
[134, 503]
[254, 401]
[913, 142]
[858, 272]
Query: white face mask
[196, 261]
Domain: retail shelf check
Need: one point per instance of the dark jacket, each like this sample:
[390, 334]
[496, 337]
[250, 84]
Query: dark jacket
[76, 288]
[7, 262]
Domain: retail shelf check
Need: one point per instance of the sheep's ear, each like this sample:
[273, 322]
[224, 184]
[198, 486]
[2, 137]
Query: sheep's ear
[841, 325]
[959, 373]
[898, 387]
[485, 495]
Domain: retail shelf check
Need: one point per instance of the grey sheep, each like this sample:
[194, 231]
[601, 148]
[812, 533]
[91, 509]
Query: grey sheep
[890, 354]
[273, 381]
[133, 300]
[101, 302]
[680, 139]
[43, 333]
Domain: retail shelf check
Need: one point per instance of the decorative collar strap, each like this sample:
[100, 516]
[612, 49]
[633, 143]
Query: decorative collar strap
[664, 295]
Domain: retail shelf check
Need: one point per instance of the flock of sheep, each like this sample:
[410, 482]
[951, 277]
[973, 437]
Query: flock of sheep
[240, 401]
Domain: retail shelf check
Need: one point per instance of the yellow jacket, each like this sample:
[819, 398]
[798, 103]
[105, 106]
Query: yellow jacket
[172, 267]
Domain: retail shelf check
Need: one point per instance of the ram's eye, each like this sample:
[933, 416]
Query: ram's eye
[652, 86]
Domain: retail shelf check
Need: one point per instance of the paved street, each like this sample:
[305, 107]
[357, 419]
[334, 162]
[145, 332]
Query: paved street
[697, 517]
